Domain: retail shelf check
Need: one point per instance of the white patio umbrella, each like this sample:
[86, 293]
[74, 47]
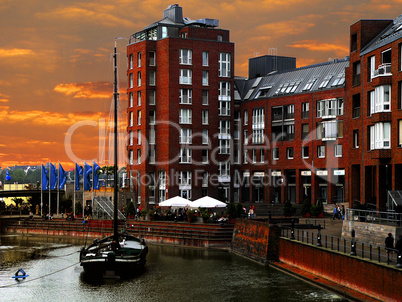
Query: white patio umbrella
[175, 202]
[207, 202]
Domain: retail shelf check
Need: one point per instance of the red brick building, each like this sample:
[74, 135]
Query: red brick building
[328, 132]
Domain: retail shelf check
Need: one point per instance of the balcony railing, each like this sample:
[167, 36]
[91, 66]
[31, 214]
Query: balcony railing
[383, 70]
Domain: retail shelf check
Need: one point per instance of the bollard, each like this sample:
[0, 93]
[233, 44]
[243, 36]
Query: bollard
[292, 232]
[399, 260]
[319, 236]
[353, 248]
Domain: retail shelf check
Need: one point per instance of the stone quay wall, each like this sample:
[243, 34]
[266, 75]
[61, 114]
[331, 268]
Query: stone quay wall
[369, 232]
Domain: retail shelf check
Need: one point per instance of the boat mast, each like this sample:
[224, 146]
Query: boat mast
[116, 97]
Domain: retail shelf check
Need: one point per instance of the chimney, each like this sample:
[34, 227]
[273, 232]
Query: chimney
[174, 12]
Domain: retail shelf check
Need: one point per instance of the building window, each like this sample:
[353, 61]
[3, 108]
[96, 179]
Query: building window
[275, 153]
[353, 42]
[262, 155]
[186, 96]
[131, 133]
[356, 73]
[305, 110]
[139, 59]
[399, 133]
[380, 99]
[338, 150]
[246, 156]
[224, 168]
[254, 156]
[152, 136]
[205, 139]
[380, 136]
[245, 118]
[138, 98]
[139, 156]
[236, 156]
[131, 99]
[151, 155]
[152, 61]
[205, 78]
[162, 185]
[224, 146]
[151, 187]
[205, 56]
[305, 152]
[185, 178]
[185, 116]
[245, 137]
[219, 38]
[164, 33]
[151, 97]
[289, 153]
[329, 108]
[224, 108]
[186, 56]
[152, 77]
[290, 132]
[321, 151]
[185, 76]
[139, 78]
[305, 131]
[185, 155]
[356, 139]
[185, 136]
[131, 80]
[356, 106]
[139, 117]
[258, 125]
[400, 95]
[224, 64]
[204, 117]
[130, 61]
[236, 134]
[330, 130]
[205, 97]
[152, 117]
[204, 155]
[138, 137]
[131, 121]
[371, 67]
[224, 127]
[131, 157]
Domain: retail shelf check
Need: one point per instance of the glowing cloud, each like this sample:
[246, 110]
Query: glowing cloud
[89, 90]
[316, 46]
[14, 52]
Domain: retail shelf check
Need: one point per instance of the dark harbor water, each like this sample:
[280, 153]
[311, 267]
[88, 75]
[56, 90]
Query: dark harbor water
[172, 274]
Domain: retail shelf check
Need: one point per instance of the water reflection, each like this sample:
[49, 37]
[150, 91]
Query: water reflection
[171, 274]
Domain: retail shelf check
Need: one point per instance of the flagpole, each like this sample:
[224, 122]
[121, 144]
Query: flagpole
[83, 191]
[50, 188]
[58, 190]
[75, 182]
[93, 184]
[41, 188]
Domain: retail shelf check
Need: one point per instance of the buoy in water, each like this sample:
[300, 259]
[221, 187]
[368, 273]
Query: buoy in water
[18, 276]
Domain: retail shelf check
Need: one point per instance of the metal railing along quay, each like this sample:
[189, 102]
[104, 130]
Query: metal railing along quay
[345, 246]
[387, 218]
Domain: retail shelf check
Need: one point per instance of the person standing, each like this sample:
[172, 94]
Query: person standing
[389, 244]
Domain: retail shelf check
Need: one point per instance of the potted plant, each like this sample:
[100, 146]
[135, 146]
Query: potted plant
[151, 214]
[190, 215]
[144, 213]
[289, 210]
[205, 215]
[305, 210]
[316, 211]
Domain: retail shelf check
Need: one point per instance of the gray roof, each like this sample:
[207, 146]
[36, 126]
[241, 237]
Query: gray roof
[311, 78]
[392, 33]
[164, 21]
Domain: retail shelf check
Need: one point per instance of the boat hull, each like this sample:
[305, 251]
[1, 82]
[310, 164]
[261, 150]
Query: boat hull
[101, 260]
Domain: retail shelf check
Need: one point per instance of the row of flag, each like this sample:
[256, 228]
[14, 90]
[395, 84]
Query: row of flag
[52, 179]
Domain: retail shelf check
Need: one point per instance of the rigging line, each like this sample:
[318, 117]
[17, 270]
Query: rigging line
[40, 277]
[64, 255]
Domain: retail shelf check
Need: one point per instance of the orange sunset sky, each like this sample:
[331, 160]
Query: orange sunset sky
[56, 68]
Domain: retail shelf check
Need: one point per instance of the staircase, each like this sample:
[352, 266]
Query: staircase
[105, 206]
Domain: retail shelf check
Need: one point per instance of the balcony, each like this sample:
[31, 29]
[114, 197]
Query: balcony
[381, 154]
[383, 70]
[381, 117]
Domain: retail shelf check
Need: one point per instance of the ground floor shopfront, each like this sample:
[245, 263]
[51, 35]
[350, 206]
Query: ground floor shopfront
[296, 185]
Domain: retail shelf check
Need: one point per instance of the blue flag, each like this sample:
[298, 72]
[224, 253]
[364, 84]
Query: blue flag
[87, 177]
[8, 177]
[53, 177]
[96, 168]
[78, 172]
[62, 177]
[45, 179]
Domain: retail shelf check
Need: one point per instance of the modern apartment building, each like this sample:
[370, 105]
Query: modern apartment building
[329, 132]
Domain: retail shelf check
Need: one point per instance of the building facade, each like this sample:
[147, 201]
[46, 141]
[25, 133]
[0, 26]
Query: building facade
[329, 132]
